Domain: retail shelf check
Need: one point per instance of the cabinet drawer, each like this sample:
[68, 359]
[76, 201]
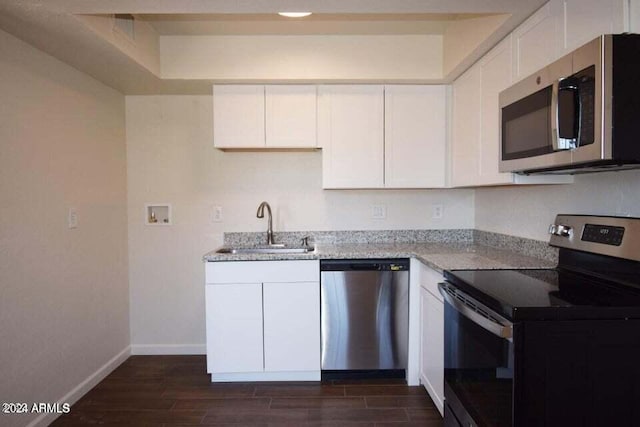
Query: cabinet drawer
[262, 271]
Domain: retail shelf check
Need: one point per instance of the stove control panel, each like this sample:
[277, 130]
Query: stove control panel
[615, 236]
[605, 234]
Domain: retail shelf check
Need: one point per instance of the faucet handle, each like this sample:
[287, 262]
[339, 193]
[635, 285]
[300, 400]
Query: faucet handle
[305, 241]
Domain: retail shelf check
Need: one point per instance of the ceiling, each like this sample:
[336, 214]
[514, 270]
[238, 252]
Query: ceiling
[54, 27]
[273, 6]
[318, 23]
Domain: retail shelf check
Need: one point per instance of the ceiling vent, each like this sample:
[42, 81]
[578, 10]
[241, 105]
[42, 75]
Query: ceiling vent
[124, 23]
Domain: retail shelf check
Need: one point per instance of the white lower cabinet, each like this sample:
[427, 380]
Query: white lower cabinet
[234, 310]
[432, 336]
[263, 320]
[291, 326]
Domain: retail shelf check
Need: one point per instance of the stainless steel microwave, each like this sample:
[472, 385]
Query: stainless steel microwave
[579, 114]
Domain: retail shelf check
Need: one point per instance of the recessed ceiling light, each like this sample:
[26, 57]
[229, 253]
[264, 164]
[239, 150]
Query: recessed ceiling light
[294, 14]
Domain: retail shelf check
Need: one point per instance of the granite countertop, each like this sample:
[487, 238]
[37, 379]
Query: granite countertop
[438, 255]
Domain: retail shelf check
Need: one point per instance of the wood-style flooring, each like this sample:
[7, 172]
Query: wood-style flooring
[176, 391]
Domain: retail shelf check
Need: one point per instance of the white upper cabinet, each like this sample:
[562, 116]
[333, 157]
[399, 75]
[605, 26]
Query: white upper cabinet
[495, 76]
[351, 134]
[585, 20]
[415, 136]
[291, 116]
[475, 130]
[537, 41]
[238, 116]
[382, 136]
[272, 116]
[465, 128]
[561, 26]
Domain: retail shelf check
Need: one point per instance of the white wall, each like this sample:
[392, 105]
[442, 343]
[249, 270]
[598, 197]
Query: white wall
[463, 36]
[145, 49]
[315, 57]
[528, 211]
[171, 159]
[64, 304]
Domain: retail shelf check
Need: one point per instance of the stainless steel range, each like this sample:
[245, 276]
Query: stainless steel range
[557, 347]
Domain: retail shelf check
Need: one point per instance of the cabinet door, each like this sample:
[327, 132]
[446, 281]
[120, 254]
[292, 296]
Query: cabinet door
[536, 42]
[432, 347]
[415, 136]
[292, 326]
[465, 129]
[634, 16]
[290, 116]
[351, 134]
[587, 19]
[496, 76]
[238, 116]
[234, 328]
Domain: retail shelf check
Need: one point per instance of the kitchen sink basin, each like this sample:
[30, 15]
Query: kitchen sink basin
[271, 249]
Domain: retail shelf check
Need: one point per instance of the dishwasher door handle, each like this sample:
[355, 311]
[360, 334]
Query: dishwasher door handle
[475, 311]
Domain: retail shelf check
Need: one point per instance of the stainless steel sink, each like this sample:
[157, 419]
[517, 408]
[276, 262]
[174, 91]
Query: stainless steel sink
[270, 249]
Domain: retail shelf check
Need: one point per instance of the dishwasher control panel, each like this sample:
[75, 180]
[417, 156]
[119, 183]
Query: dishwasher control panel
[401, 264]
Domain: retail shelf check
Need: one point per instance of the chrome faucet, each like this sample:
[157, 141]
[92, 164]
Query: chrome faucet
[260, 214]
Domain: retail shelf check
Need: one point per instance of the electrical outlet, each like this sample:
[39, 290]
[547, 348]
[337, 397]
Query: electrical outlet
[72, 218]
[437, 211]
[378, 211]
[217, 214]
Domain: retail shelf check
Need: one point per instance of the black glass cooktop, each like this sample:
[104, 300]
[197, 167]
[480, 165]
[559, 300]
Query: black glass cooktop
[548, 294]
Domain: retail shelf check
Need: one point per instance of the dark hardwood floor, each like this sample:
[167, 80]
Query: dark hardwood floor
[176, 391]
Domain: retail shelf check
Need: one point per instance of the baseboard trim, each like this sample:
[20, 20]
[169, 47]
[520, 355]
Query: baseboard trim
[81, 389]
[159, 349]
[439, 403]
[266, 376]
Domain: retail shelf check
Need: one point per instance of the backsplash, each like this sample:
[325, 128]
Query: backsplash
[519, 245]
[358, 236]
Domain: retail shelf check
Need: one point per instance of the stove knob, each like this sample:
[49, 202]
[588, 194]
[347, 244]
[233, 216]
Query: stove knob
[560, 230]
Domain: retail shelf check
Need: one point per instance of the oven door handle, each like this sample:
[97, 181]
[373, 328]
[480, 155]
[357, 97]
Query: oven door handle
[477, 312]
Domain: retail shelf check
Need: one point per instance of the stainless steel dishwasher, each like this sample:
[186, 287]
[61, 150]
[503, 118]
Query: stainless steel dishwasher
[365, 315]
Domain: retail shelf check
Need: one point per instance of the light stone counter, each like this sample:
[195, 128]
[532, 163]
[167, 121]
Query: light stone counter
[437, 255]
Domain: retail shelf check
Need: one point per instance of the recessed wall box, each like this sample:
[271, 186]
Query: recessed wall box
[157, 214]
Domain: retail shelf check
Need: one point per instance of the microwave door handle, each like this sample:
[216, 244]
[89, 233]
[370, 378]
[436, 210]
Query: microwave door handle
[555, 130]
[500, 330]
[573, 85]
[578, 113]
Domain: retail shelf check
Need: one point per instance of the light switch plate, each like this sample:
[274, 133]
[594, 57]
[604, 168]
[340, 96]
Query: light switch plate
[217, 214]
[437, 211]
[378, 211]
[72, 218]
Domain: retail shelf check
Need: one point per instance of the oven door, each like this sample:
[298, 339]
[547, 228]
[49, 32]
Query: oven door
[478, 362]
